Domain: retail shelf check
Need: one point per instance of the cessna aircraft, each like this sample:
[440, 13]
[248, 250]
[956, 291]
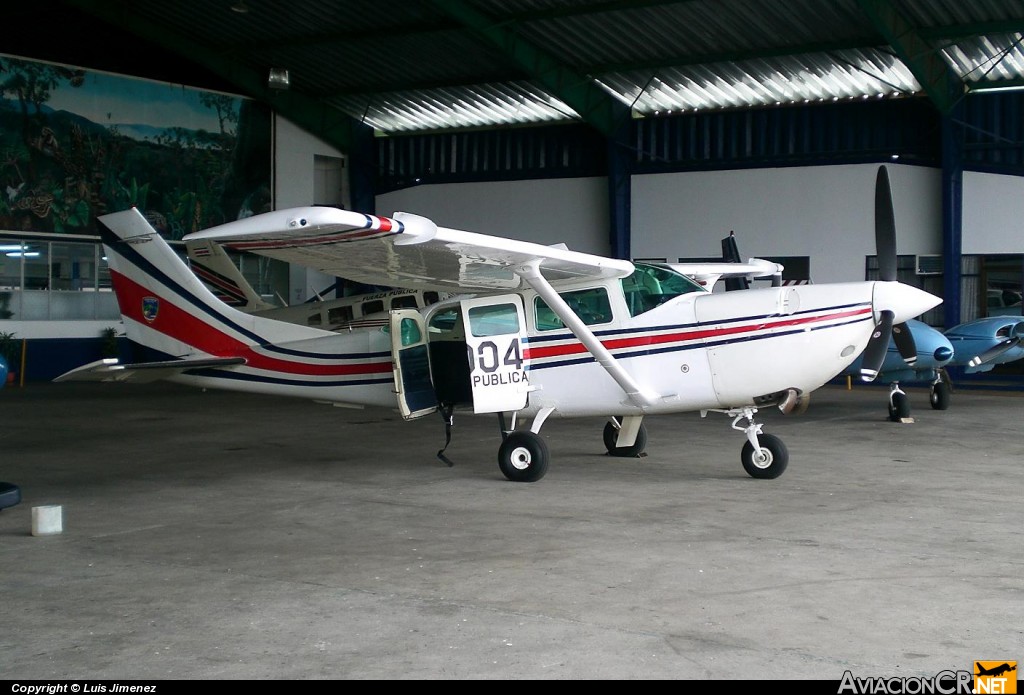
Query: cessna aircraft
[542, 331]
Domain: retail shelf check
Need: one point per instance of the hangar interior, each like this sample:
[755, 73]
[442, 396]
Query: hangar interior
[635, 130]
[216, 535]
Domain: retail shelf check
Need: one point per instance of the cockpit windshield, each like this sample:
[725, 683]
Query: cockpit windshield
[650, 286]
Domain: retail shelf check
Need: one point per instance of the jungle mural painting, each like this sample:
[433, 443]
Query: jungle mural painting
[75, 144]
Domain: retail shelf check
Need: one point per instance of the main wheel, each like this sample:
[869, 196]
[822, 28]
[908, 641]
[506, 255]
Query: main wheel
[523, 457]
[770, 462]
[940, 396]
[611, 437]
[899, 406]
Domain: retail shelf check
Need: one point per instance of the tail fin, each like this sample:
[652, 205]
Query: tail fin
[167, 309]
[211, 264]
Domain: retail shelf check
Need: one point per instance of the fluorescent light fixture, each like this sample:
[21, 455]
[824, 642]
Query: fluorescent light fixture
[19, 254]
[10, 247]
[278, 78]
[998, 87]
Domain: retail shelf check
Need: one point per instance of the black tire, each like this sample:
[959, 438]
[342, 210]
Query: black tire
[775, 458]
[611, 436]
[899, 407]
[940, 396]
[523, 457]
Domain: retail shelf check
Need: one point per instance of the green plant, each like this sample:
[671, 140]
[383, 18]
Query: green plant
[10, 349]
[109, 347]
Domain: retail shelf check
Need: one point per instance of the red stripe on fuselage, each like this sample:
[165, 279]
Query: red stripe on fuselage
[537, 353]
[177, 323]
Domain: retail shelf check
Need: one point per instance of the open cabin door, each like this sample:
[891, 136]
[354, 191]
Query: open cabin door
[411, 364]
[495, 341]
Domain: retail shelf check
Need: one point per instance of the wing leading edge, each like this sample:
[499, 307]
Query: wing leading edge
[404, 251]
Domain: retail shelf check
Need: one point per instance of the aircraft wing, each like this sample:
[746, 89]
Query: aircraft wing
[708, 274]
[111, 370]
[403, 251]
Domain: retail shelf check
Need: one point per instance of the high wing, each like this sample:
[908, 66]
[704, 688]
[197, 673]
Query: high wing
[404, 251]
[707, 274]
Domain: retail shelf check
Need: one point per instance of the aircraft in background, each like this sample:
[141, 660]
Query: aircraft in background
[542, 332]
[934, 353]
[980, 345]
[212, 264]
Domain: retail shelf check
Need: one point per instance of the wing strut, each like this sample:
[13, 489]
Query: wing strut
[637, 395]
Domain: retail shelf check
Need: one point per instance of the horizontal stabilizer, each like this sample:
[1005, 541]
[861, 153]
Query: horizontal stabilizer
[111, 370]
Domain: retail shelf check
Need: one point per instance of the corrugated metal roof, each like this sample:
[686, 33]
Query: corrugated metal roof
[406, 66]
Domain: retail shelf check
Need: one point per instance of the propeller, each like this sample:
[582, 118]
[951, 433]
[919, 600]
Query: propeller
[999, 348]
[994, 351]
[885, 248]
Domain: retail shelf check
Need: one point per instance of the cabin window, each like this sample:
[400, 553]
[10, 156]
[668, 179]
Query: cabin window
[314, 319]
[341, 314]
[410, 332]
[445, 322]
[493, 319]
[650, 286]
[374, 307]
[407, 301]
[592, 306]
[430, 298]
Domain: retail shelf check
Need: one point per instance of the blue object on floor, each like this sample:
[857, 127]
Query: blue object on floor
[10, 495]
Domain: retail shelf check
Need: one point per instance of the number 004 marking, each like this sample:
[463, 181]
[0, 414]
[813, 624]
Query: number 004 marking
[487, 356]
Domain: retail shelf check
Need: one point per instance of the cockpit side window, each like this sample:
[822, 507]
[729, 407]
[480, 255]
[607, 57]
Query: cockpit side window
[592, 306]
[650, 286]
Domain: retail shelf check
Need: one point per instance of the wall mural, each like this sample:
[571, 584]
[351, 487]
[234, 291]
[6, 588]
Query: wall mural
[75, 144]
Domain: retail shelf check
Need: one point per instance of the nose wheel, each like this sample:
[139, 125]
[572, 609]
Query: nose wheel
[764, 456]
[769, 460]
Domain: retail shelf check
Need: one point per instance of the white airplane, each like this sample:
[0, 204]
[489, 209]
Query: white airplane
[543, 332]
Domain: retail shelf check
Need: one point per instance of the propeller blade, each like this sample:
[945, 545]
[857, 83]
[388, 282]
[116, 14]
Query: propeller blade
[878, 345]
[904, 340]
[994, 352]
[885, 227]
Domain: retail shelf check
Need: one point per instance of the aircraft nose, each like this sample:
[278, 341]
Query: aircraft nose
[904, 301]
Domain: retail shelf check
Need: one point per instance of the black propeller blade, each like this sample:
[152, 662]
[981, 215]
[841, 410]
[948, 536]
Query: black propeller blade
[885, 228]
[885, 248]
[878, 345]
[904, 340]
[994, 351]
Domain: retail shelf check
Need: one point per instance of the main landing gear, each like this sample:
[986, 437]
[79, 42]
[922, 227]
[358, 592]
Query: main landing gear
[523, 456]
[941, 391]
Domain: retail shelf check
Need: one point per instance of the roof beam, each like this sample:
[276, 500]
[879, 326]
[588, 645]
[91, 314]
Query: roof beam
[329, 124]
[593, 104]
[932, 73]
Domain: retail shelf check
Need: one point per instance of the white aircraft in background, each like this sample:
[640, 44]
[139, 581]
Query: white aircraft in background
[212, 264]
[542, 331]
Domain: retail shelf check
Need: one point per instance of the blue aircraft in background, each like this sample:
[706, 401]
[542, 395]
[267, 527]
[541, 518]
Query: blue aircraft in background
[933, 351]
[980, 345]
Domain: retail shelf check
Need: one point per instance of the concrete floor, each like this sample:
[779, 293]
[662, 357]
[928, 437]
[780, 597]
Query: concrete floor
[216, 536]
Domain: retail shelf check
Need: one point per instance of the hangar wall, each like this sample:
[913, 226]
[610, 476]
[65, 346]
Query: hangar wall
[826, 212]
[572, 211]
[993, 213]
